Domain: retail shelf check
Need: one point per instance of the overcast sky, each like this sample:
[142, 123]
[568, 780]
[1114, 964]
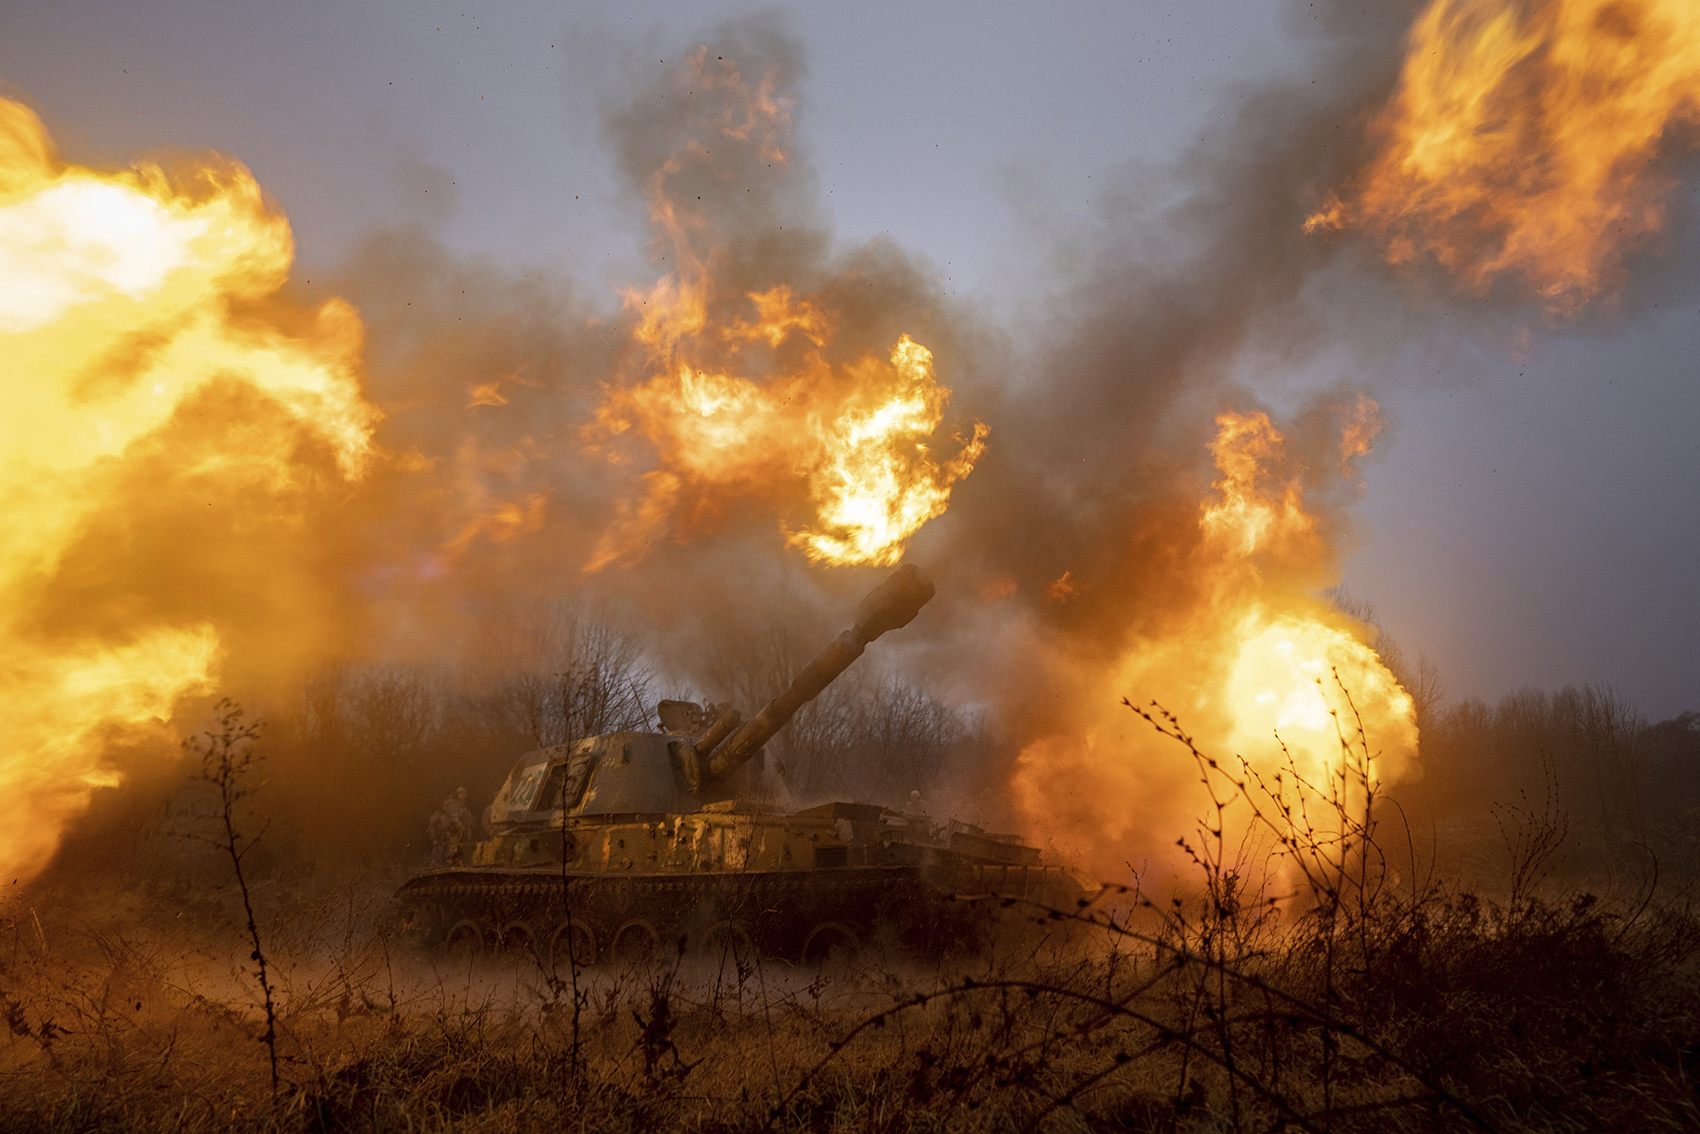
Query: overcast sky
[1531, 521]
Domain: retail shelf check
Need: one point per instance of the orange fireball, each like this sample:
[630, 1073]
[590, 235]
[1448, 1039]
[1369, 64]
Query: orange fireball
[1523, 141]
[1253, 661]
[149, 408]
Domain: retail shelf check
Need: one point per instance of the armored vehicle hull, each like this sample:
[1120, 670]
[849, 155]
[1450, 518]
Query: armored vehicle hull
[636, 843]
[805, 885]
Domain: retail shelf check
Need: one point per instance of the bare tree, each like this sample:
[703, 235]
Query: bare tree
[390, 712]
[587, 678]
[1420, 677]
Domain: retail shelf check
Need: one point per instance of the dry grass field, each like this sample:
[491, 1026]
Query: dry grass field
[1316, 972]
[1441, 1010]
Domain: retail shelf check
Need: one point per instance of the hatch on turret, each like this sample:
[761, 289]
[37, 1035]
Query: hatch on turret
[623, 773]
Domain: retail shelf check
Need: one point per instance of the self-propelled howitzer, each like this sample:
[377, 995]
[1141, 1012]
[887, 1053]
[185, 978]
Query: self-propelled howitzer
[633, 843]
[890, 606]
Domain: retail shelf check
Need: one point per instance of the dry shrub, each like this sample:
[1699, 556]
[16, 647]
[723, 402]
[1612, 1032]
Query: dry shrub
[1314, 978]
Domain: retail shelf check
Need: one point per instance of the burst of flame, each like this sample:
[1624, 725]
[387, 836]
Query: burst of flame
[744, 397]
[874, 483]
[857, 439]
[148, 385]
[1522, 140]
[1253, 660]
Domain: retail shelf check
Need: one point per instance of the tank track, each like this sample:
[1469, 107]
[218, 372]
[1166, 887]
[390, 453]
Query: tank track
[805, 914]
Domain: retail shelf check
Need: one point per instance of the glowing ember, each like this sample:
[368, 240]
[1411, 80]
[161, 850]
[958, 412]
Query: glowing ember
[151, 407]
[1523, 138]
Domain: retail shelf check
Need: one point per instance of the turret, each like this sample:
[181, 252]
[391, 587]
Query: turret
[727, 744]
[630, 773]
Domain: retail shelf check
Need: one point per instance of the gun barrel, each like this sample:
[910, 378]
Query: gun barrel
[891, 605]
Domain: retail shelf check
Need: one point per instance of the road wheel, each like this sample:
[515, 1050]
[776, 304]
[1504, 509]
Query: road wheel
[517, 940]
[831, 946]
[636, 943]
[582, 940]
[466, 940]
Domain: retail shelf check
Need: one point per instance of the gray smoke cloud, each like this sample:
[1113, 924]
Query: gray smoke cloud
[1190, 286]
[1100, 405]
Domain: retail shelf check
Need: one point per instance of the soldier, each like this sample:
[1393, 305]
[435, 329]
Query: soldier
[450, 829]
